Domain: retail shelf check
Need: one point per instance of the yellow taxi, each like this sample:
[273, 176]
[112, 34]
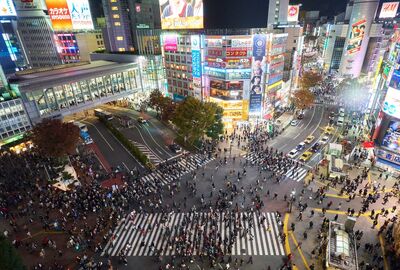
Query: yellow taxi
[329, 130]
[305, 156]
[309, 139]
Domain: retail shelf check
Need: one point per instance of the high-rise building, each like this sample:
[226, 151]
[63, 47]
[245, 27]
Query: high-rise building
[358, 34]
[36, 34]
[12, 55]
[89, 42]
[118, 33]
[278, 12]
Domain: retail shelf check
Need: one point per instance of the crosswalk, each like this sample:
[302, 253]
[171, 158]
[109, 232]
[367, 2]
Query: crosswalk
[155, 159]
[293, 173]
[185, 165]
[151, 234]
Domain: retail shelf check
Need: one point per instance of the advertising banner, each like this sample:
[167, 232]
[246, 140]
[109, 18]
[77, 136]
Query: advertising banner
[241, 43]
[356, 36]
[391, 157]
[196, 64]
[7, 8]
[391, 140]
[70, 14]
[259, 45]
[59, 14]
[171, 43]
[214, 52]
[256, 86]
[181, 14]
[293, 13]
[391, 105]
[195, 42]
[80, 14]
[236, 53]
[389, 10]
[27, 4]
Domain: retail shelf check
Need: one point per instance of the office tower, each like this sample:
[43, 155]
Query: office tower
[278, 12]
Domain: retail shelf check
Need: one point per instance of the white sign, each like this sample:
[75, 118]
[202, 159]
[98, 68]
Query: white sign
[293, 13]
[7, 8]
[389, 10]
[391, 105]
[80, 14]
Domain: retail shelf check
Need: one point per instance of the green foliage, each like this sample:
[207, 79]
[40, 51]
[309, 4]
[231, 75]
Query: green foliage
[9, 258]
[194, 118]
[218, 127]
[130, 146]
[55, 139]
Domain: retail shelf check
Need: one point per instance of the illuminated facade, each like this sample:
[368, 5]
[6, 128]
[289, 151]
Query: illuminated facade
[68, 48]
[49, 93]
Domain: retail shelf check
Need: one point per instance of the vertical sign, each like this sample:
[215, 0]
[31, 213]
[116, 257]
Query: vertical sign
[196, 64]
[356, 36]
[293, 13]
[259, 46]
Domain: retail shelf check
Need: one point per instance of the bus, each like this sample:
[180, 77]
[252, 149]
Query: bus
[81, 126]
[103, 114]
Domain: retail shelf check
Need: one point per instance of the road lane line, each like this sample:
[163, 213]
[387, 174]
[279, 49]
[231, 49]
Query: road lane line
[101, 135]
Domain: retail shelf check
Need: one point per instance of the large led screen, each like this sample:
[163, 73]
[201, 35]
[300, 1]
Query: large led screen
[391, 105]
[391, 140]
[181, 14]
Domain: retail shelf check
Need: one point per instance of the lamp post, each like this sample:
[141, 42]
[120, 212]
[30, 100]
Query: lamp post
[292, 196]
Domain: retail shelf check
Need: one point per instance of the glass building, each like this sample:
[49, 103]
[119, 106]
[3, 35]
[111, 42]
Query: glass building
[57, 92]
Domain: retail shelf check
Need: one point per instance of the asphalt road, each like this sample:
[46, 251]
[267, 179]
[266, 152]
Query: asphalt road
[152, 138]
[313, 123]
[111, 148]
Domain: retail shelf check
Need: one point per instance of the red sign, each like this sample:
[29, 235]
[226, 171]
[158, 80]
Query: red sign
[367, 145]
[236, 53]
[214, 52]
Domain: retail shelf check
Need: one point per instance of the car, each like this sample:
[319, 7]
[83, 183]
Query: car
[175, 148]
[329, 130]
[300, 146]
[300, 116]
[341, 112]
[305, 156]
[294, 122]
[315, 147]
[332, 115]
[340, 121]
[324, 140]
[293, 153]
[141, 120]
[309, 139]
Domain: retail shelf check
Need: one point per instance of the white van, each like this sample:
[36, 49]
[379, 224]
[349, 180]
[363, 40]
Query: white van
[340, 121]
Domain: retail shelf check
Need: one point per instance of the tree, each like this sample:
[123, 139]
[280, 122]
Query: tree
[9, 258]
[53, 138]
[310, 79]
[303, 98]
[164, 106]
[194, 118]
[218, 127]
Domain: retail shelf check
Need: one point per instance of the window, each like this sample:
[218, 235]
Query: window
[116, 16]
[117, 24]
[114, 8]
[121, 49]
[113, 1]
[120, 38]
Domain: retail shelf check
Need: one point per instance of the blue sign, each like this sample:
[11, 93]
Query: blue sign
[255, 103]
[395, 80]
[259, 43]
[196, 64]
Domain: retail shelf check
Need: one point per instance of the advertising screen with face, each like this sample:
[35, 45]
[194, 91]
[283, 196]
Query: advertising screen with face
[181, 14]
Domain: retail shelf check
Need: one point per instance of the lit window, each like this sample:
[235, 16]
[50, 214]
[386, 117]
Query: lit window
[120, 38]
[117, 24]
[121, 49]
[114, 8]
[113, 1]
[116, 16]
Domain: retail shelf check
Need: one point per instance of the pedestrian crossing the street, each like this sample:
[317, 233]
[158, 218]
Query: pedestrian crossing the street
[185, 165]
[293, 173]
[157, 234]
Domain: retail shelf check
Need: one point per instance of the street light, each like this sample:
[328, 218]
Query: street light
[292, 196]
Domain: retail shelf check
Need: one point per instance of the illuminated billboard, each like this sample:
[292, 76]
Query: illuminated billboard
[170, 43]
[181, 14]
[391, 140]
[70, 14]
[7, 8]
[391, 105]
[356, 36]
[293, 13]
[389, 10]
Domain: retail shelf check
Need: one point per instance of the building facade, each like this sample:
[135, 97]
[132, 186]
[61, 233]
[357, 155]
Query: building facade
[89, 42]
[277, 12]
[117, 34]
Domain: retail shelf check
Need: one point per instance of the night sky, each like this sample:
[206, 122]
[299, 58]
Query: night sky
[246, 13]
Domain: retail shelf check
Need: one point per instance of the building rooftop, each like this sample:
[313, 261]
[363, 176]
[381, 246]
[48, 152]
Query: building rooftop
[48, 77]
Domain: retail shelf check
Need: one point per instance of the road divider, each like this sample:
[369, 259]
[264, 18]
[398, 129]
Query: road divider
[134, 150]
